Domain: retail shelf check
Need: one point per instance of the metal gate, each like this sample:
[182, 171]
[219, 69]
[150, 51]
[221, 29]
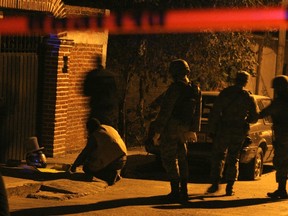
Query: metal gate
[18, 93]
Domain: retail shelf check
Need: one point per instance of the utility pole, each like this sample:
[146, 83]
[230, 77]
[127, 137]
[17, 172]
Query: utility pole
[258, 75]
[281, 46]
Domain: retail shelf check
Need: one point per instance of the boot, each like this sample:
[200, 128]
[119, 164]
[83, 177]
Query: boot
[174, 195]
[213, 188]
[229, 188]
[278, 194]
[281, 192]
[184, 191]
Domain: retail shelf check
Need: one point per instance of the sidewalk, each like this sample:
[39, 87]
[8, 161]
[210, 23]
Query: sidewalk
[53, 182]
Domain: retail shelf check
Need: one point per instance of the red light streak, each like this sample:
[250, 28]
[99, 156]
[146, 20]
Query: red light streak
[174, 21]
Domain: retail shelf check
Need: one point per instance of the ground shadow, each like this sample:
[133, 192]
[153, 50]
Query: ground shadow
[144, 167]
[158, 202]
[267, 168]
[28, 172]
[139, 166]
[149, 167]
[218, 204]
[32, 173]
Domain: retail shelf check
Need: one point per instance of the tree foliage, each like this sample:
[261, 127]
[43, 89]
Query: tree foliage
[214, 57]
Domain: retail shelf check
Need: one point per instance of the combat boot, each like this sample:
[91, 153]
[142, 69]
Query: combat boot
[213, 188]
[278, 194]
[229, 188]
[174, 195]
[281, 192]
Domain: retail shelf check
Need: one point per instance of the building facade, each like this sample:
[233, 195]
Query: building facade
[41, 81]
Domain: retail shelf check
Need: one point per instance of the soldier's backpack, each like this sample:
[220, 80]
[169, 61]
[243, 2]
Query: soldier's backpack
[187, 103]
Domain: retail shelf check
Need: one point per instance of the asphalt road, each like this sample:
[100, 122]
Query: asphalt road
[142, 191]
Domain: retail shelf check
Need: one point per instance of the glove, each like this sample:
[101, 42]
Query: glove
[190, 137]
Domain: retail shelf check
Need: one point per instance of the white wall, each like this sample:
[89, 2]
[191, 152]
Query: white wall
[268, 69]
[266, 73]
[90, 37]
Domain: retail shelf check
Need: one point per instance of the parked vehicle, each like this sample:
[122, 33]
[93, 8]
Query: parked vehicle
[254, 154]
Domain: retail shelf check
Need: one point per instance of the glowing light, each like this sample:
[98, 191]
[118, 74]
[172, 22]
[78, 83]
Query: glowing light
[155, 21]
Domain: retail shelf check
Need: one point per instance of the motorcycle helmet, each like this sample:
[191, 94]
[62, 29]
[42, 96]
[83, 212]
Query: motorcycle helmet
[36, 159]
[34, 154]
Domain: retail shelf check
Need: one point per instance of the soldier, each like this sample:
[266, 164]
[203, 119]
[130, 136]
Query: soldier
[228, 125]
[278, 110]
[179, 113]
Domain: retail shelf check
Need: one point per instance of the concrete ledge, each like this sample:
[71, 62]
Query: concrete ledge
[22, 190]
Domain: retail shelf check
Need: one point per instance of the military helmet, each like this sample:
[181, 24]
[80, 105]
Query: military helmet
[179, 68]
[280, 83]
[242, 77]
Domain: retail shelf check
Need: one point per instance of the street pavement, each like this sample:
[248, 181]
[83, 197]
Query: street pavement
[141, 191]
[54, 182]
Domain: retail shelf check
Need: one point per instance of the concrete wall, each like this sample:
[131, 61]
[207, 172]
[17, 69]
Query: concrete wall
[266, 73]
[268, 69]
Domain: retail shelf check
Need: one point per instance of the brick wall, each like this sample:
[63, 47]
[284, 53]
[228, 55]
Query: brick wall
[83, 11]
[49, 94]
[65, 108]
[82, 59]
[55, 97]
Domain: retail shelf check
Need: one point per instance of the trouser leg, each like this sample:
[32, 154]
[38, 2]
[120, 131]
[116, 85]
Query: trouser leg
[232, 171]
[217, 167]
[111, 173]
[282, 184]
[4, 207]
[169, 161]
[281, 192]
[232, 162]
[229, 188]
[281, 178]
[183, 170]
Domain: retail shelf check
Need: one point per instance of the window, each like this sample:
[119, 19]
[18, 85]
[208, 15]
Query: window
[207, 104]
[262, 104]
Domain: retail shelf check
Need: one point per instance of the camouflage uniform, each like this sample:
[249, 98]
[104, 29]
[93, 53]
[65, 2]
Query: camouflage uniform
[229, 121]
[171, 124]
[278, 110]
[172, 131]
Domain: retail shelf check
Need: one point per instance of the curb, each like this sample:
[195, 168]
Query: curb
[54, 182]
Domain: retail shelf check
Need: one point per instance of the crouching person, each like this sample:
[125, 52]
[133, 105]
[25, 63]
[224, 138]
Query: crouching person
[104, 155]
